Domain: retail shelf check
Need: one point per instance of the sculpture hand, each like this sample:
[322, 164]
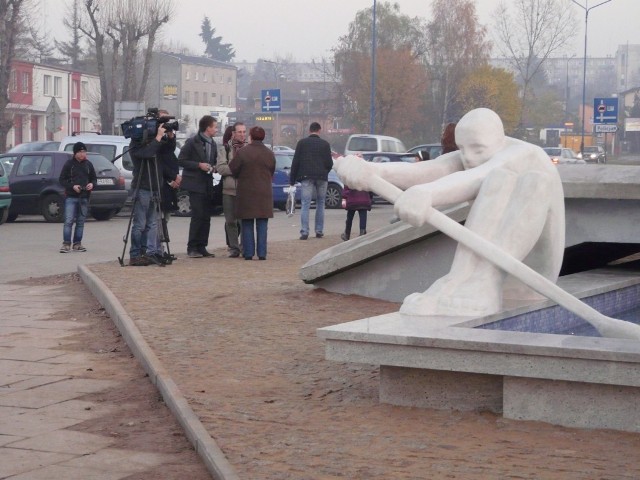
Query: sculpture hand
[414, 205]
[355, 172]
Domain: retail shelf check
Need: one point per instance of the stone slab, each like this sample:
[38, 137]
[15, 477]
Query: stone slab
[54, 392]
[413, 387]
[572, 404]
[78, 409]
[64, 441]
[112, 459]
[32, 424]
[69, 473]
[16, 461]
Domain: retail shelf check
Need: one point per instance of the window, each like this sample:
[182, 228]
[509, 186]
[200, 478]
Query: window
[14, 81]
[26, 82]
[196, 76]
[46, 85]
[229, 80]
[75, 86]
[204, 98]
[196, 98]
[187, 99]
[204, 76]
[187, 75]
[84, 90]
[221, 100]
[57, 86]
[213, 94]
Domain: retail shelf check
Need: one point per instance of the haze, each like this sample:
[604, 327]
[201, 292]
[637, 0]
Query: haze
[308, 30]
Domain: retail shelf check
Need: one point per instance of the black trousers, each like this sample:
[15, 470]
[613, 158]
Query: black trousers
[363, 220]
[201, 208]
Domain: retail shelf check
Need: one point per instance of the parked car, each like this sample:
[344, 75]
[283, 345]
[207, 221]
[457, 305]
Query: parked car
[560, 156]
[594, 154]
[34, 147]
[363, 143]
[391, 157]
[281, 182]
[282, 148]
[36, 189]
[5, 194]
[433, 149]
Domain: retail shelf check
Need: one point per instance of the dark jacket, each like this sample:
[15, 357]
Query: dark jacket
[193, 153]
[143, 156]
[253, 167]
[312, 160]
[356, 199]
[77, 173]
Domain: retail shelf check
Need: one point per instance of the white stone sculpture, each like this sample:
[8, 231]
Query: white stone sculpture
[518, 205]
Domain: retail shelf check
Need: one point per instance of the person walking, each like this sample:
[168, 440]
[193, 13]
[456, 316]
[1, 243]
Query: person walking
[78, 176]
[311, 165]
[355, 201]
[253, 167]
[198, 158]
[229, 189]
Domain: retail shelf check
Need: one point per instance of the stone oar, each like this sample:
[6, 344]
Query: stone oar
[607, 326]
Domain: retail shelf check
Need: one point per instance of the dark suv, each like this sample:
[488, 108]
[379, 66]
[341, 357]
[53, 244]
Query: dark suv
[36, 190]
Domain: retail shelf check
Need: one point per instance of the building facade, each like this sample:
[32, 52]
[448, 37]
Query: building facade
[49, 102]
[190, 87]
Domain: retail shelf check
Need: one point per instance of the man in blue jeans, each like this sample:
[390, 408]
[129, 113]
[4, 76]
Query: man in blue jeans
[144, 248]
[311, 165]
[78, 178]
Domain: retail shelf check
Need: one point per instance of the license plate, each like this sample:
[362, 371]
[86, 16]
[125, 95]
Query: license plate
[105, 181]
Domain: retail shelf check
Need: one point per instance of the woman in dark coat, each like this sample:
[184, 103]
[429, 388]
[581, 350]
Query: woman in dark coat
[253, 167]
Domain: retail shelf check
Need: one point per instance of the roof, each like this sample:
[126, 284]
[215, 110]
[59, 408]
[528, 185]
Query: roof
[199, 60]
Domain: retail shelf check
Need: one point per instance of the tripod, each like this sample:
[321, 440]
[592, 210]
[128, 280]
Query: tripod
[163, 232]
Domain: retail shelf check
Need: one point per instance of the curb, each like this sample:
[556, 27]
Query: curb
[215, 461]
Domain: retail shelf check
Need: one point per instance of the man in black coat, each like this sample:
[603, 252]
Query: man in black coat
[311, 165]
[198, 158]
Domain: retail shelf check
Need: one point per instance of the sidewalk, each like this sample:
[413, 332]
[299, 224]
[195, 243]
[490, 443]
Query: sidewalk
[52, 390]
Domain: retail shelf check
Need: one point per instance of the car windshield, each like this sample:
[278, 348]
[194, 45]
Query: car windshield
[552, 151]
[35, 147]
[283, 162]
[363, 144]
[591, 149]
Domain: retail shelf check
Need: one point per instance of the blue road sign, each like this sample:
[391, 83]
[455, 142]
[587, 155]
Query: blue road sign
[271, 100]
[605, 111]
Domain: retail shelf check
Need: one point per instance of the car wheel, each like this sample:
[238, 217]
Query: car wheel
[52, 208]
[4, 214]
[184, 205]
[334, 196]
[12, 217]
[103, 215]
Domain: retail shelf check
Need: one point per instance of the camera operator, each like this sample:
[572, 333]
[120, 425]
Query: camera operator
[198, 158]
[171, 179]
[144, 230]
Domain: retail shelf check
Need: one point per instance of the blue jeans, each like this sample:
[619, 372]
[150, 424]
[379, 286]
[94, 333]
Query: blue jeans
[249, 240]
[308, 188]
[75, 210]
[144, 230]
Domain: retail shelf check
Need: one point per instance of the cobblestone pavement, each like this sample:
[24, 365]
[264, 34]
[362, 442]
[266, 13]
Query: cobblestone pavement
[239, 339]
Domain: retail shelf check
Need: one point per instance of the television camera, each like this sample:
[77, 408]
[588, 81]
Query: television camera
[145, 127]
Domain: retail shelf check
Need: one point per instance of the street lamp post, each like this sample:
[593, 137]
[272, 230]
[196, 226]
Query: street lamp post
[372, 108]
[566, 99]
[586, 9]
[275, 134]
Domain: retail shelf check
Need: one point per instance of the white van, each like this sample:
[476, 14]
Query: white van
[110, 146]
[363, 143]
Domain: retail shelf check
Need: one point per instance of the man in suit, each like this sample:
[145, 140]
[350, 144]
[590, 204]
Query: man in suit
[198, 158]
[311, 165]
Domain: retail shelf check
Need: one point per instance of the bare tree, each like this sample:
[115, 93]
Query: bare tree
[72, 50]
[456, 45]
[12, 11]
[529, 32]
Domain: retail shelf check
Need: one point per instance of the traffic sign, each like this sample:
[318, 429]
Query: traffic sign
[270, 100]
[605, 111]
[604, 128]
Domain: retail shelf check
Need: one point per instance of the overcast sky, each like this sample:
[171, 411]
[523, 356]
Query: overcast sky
[309, 29]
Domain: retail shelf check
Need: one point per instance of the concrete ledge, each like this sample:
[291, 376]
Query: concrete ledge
[214, 459]
[460, 363]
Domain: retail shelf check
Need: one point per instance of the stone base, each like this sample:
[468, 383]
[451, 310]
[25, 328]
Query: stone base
[414, 387]
[572, 404]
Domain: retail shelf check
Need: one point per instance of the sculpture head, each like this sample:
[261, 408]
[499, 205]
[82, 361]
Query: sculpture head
[479, 135]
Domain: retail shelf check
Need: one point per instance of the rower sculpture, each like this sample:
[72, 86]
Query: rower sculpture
[513, 238]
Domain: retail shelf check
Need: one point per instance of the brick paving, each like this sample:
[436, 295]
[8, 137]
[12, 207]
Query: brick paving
[239, 339]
